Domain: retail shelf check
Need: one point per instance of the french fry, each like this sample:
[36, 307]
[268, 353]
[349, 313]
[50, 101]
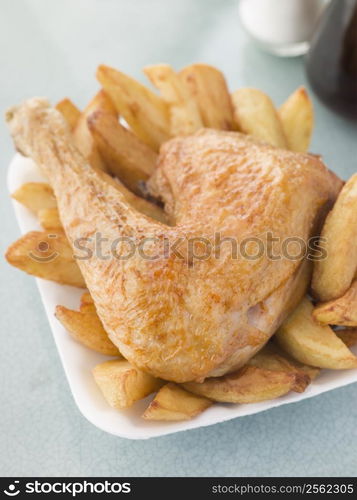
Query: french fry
[87, 303]
[49, 219]
[174, 403]
[341, 311]
[297, 117]
[81, 134]
[333, 275]
[311, 371]
[348, 336]
[209, 88]
[86, 328]
[35, 196]
[255, 114]
[122, 384]
[69, 111]
[47, 256]
[126, 156]
[145, 112]
[311, 343]
[185, 116]
[270, 358]
[250, 384]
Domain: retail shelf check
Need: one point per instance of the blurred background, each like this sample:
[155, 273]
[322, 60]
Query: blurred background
[52, 49]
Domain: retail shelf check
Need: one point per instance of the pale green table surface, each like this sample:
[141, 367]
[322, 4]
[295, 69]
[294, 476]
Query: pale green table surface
[52, 48]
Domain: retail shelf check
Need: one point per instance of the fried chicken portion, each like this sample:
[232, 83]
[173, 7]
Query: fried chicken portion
[203, 295]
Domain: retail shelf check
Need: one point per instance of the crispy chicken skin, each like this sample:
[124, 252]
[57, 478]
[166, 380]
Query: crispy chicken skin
[178, 315]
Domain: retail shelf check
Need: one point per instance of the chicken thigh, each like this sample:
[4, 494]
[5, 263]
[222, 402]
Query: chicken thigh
[199, 297]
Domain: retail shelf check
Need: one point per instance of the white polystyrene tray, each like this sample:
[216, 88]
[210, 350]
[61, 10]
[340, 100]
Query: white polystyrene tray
[78, 361]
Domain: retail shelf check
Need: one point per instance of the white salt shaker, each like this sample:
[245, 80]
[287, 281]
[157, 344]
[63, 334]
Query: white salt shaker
[282, 27]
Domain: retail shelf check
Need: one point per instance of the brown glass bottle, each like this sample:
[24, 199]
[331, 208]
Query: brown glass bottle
[331, 63]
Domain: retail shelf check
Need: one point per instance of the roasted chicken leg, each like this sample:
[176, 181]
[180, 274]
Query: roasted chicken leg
[200, 297]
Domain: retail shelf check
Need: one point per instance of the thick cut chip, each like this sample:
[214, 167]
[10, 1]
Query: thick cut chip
[255, 114]
[342, 311]
[311, 371]
[297, 117]
[185, 116]
[45, 255]
[69, 111]
[81, 134]
[209, 88]
[174, 403]
[49, 219]
[250, 384]
[87, 303]
[271, 358]
[122, 384]
[85, 327]
[146, 113]
[333, 275]
[311, 343]
[35, 196]
[125, 155]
